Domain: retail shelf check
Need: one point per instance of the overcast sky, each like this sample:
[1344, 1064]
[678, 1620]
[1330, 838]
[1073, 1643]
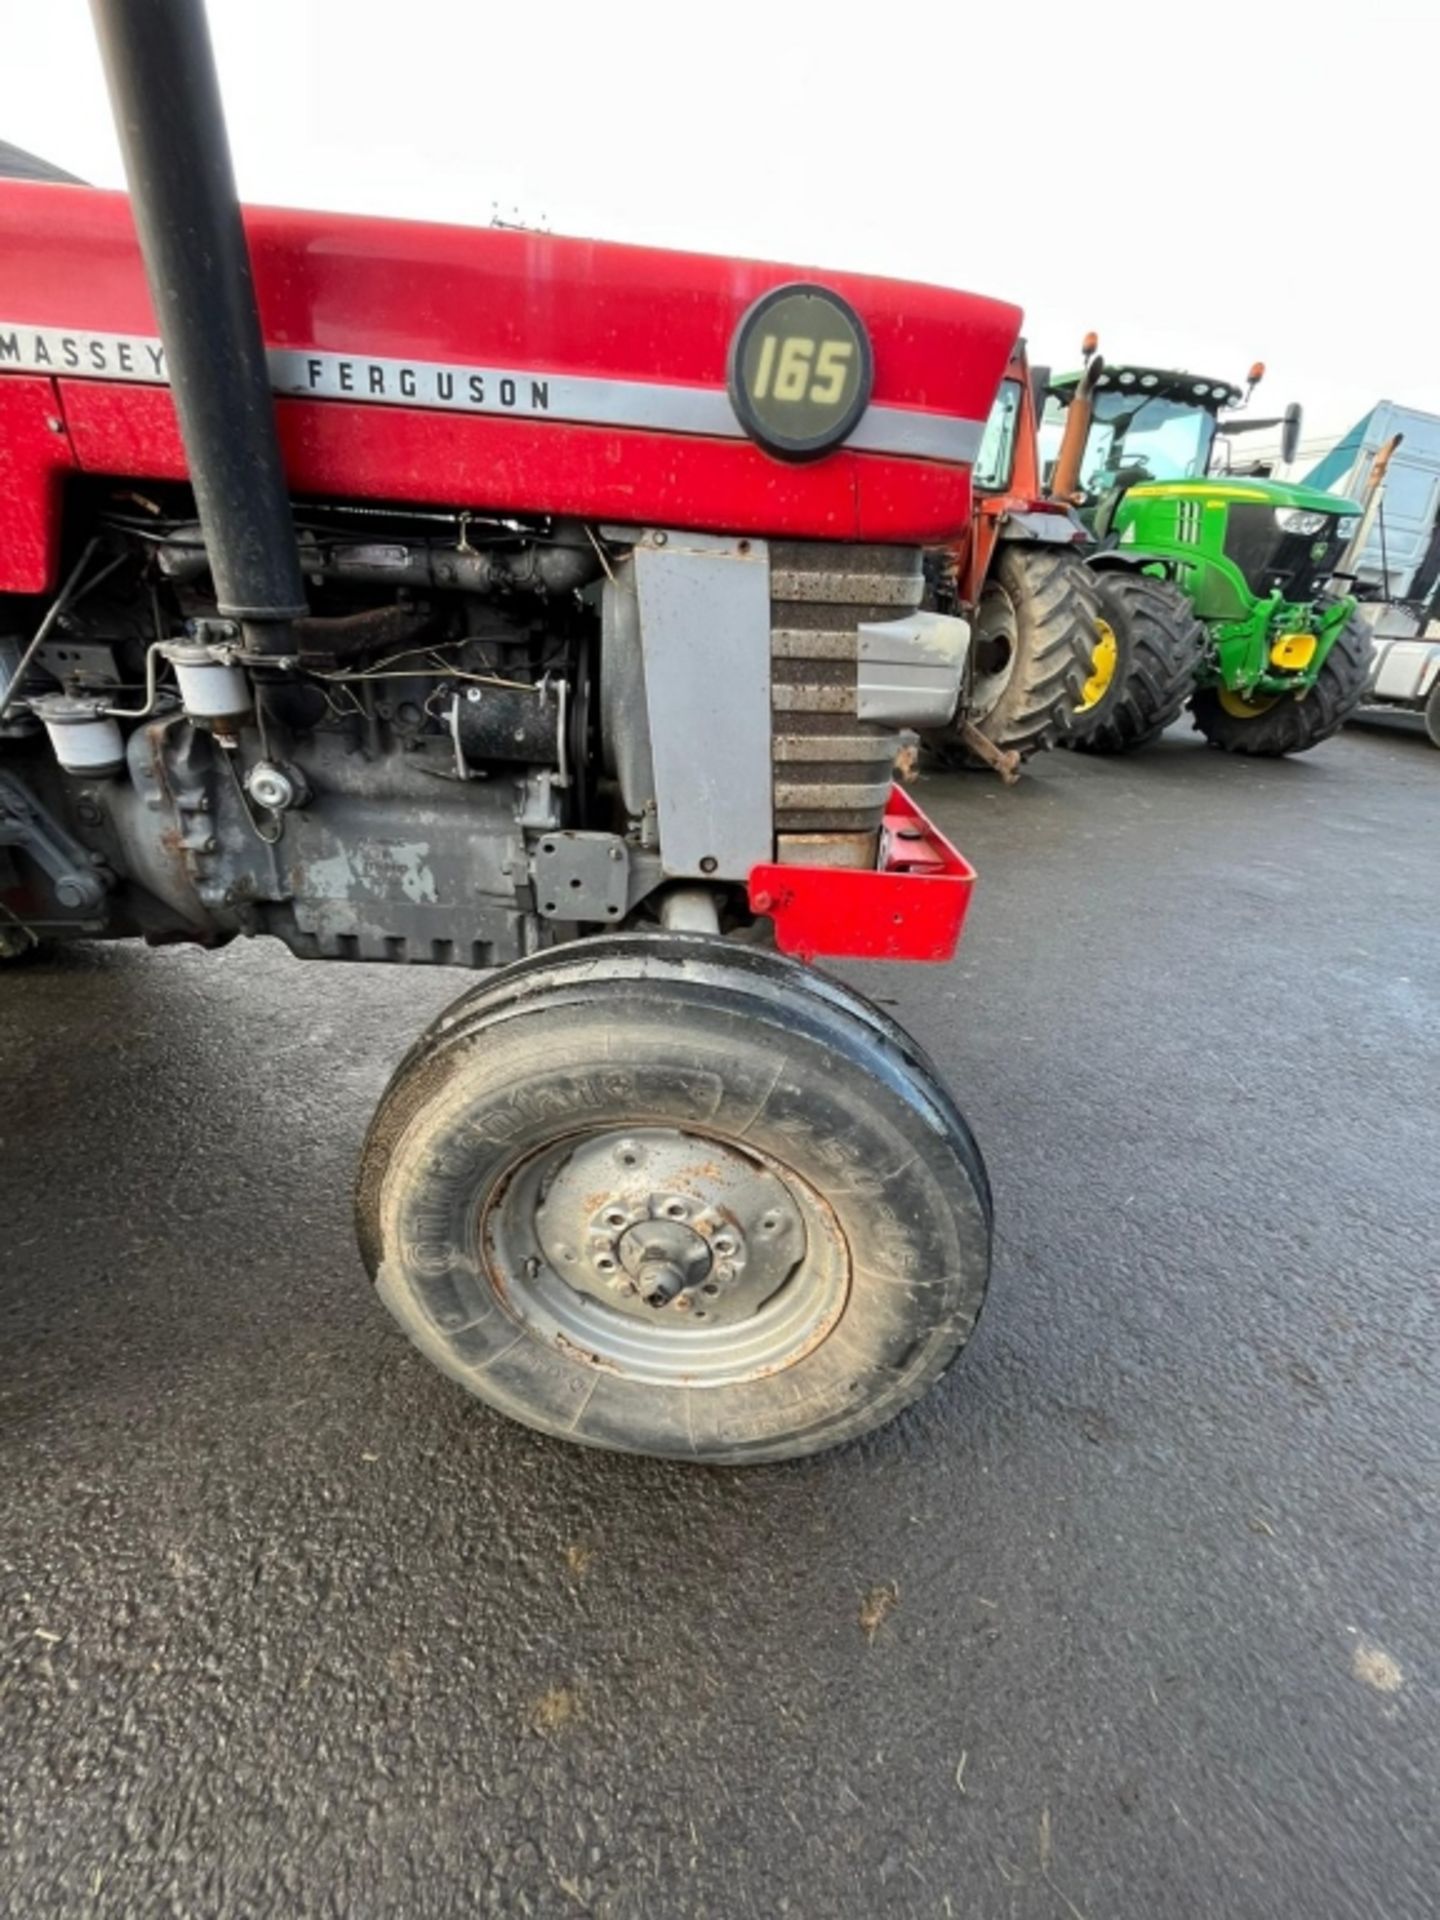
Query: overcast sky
[1205, 185]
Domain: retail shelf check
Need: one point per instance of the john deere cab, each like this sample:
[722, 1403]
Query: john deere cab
[1218, 585]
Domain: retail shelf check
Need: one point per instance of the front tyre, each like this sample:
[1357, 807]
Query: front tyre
[651, 1196]
[1280, 724]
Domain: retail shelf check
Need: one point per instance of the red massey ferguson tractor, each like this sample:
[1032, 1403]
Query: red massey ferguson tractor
[545, 608]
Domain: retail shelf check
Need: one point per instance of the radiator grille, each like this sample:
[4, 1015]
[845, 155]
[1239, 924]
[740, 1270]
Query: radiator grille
[832, 771]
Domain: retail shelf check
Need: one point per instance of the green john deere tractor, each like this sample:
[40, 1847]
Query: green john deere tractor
[1218, 586]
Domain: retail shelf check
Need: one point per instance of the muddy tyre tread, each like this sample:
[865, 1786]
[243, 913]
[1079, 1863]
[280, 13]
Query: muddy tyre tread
[1161, 645]
[1295, 726]
[1054, 598]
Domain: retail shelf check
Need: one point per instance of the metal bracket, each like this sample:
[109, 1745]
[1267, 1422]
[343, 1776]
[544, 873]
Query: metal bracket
[581, 876]
[79, 884]
[90, 662]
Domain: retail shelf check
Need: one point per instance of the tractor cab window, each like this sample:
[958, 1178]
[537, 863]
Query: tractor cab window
[1142, 436]
[996, 458]
[1148, 437]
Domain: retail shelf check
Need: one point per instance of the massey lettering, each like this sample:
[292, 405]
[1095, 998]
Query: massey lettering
[109, 356]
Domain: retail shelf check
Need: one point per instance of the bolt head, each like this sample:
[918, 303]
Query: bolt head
[271, 788]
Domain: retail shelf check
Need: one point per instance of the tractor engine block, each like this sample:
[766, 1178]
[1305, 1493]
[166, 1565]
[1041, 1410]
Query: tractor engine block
[489, 735]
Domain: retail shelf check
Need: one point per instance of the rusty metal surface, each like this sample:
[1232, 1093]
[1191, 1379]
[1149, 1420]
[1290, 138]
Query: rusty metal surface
[761, 1269]
[331, 639]
[1006, 764]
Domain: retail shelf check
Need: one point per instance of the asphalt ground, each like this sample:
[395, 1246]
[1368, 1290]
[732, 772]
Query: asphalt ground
[1134, 1617]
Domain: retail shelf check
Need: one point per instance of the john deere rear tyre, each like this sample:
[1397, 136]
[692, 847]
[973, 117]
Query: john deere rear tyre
[1158, 645]
[1280, 724]
[669, 1196]
[1031, 651]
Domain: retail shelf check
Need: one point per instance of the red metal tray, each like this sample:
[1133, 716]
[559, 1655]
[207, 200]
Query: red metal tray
[910, 907]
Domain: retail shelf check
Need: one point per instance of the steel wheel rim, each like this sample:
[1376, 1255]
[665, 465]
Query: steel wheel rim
[996, 625]
[1103, 662]
[1239, 708]
[563, 1237]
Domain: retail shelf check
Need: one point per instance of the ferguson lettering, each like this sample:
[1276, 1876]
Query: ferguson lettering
[333, 376]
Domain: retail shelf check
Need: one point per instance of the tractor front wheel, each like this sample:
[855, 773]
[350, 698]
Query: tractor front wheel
[1272, 725]
[668, 1196]
[1030, 652]
[1149, 645]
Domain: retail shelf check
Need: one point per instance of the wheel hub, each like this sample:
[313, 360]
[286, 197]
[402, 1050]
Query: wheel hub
[667, 1256]
[1242, 707]
[997, 631]
[1103, 662]
[655, 1221]
[664, 1258]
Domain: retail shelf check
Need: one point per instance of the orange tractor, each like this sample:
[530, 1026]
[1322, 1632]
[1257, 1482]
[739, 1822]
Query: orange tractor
[1035, 669]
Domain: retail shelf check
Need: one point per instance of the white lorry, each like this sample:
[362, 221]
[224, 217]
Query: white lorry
[1397, 566]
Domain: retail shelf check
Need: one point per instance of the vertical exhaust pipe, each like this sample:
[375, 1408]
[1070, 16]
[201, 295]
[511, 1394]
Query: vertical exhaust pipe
[1065, 480]
[165, 95]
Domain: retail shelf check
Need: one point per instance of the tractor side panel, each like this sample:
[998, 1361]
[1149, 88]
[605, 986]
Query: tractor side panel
[34, 455]
[465, 460]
